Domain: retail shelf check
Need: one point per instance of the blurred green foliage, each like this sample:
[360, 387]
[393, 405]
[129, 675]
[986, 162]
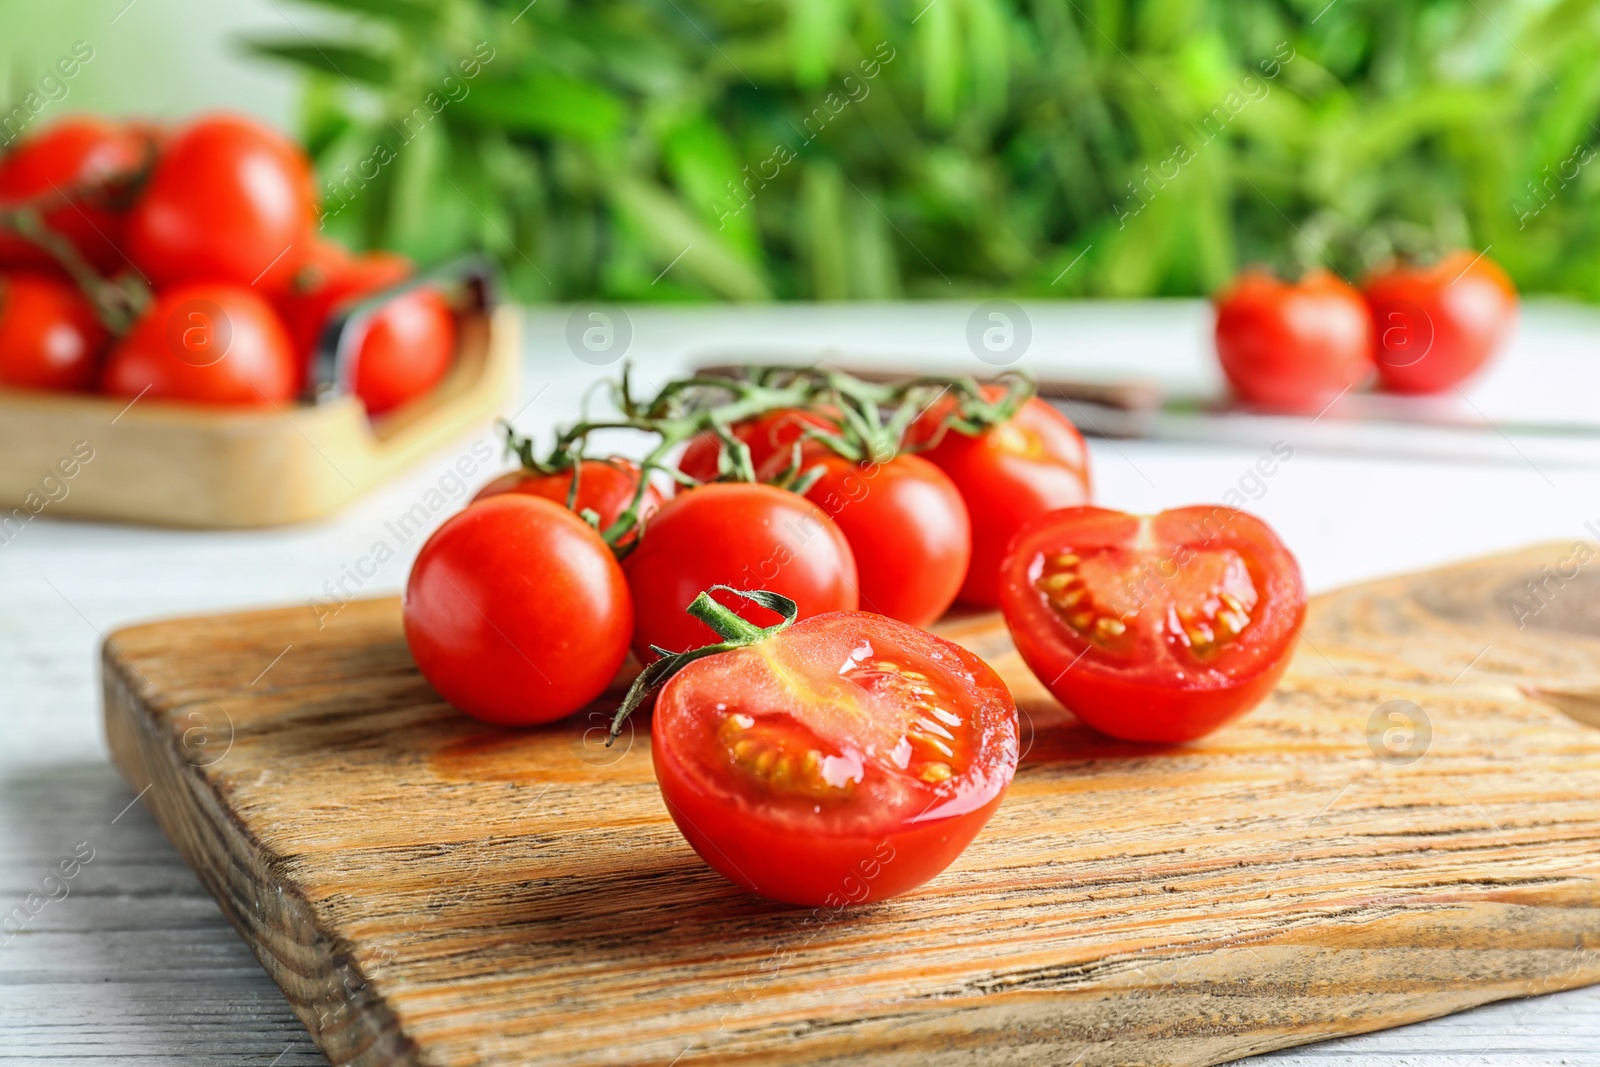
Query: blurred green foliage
[826, 149]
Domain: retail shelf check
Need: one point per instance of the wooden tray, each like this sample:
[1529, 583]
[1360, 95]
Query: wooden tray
[177, 464]
[429, 890]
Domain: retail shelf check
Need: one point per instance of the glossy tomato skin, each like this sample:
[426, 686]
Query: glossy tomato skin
[406, 350]
[1142, 679]
[327, 278]
[516, 612]
[907, 527]
[605, 487]
[765, 435]
[803, 770]
[75, 152]
[230, 200]
[218, 344]
[741, 535]
[1434, 327]
[1034, 463]
[49, 335]
[1292, 346]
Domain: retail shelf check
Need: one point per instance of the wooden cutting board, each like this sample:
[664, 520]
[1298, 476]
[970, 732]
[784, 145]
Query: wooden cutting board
[1411, 826]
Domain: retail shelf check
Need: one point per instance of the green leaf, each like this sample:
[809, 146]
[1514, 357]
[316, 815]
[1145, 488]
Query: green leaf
[400, 12]
[326, 57]
[546, 103]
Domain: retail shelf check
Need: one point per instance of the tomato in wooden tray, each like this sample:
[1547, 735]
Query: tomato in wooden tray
[605, 486]
[49, 335]
[906, 524]
[222, 344]
[516, 611]
[1031, 464]
[1292, 346]
[1435, 326]
[1156, 628]
[844, 759]
[737, 534]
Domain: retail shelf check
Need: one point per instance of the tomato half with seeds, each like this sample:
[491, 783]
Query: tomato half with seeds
[765, 435]
[1157, 628]
[741, 535]
[605, 486]
[1034, 463]
[906, 524]
[846, 759]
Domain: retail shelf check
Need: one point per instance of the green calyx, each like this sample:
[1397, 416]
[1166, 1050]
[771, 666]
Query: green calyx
[735, 631]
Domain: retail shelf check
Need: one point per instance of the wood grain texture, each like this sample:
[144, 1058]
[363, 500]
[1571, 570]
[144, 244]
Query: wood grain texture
[177, 464]
[428, 890]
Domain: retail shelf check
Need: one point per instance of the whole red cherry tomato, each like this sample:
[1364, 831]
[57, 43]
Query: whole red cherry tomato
[1292, 347]
[1154, 628]
[1433, 327]
[50, 337]
[605, 486]
[229, 200]
[328, 277]
[219, 344]
[1034, 463]
[846, 759]
[93, 157]
[516, 612]
[406, 349]
[906, 524]
[774, 432]
[741, 535]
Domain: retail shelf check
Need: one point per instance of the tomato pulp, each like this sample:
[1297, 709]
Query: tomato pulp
[1154, 628]
[1034, 463]
[1433, 327]
[849, 758]
[516, 612]
[741, 535]
[1292, 347]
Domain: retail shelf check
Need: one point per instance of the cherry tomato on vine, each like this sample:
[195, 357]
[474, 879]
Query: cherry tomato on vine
[1154, 628]
[846, 759]
[229, 200]
[1435, 326]
[605, 486]
[776, 431]
[1034, 463]
[737, 534]
[906, 524]
[70, 155]
[516, 611]
[219, 344]
[49, 335]
[1292, 346]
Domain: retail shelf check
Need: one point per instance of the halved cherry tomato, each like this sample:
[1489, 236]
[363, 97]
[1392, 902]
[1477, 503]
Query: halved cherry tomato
[1035, 463]
[605, 486]
[776, 431]
[1292, 347]
[906, 524]
[220, 344]
[516, 612]
[229, 200]
[1154, 628]
[49, 335]
[846, 759]
[1433, 327]
[741, 535]
[65, 158]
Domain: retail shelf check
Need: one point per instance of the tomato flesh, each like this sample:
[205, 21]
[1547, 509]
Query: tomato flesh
[1154, 628]
[850, 758]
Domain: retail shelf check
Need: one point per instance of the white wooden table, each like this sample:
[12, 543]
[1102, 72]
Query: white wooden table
[133, 962]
